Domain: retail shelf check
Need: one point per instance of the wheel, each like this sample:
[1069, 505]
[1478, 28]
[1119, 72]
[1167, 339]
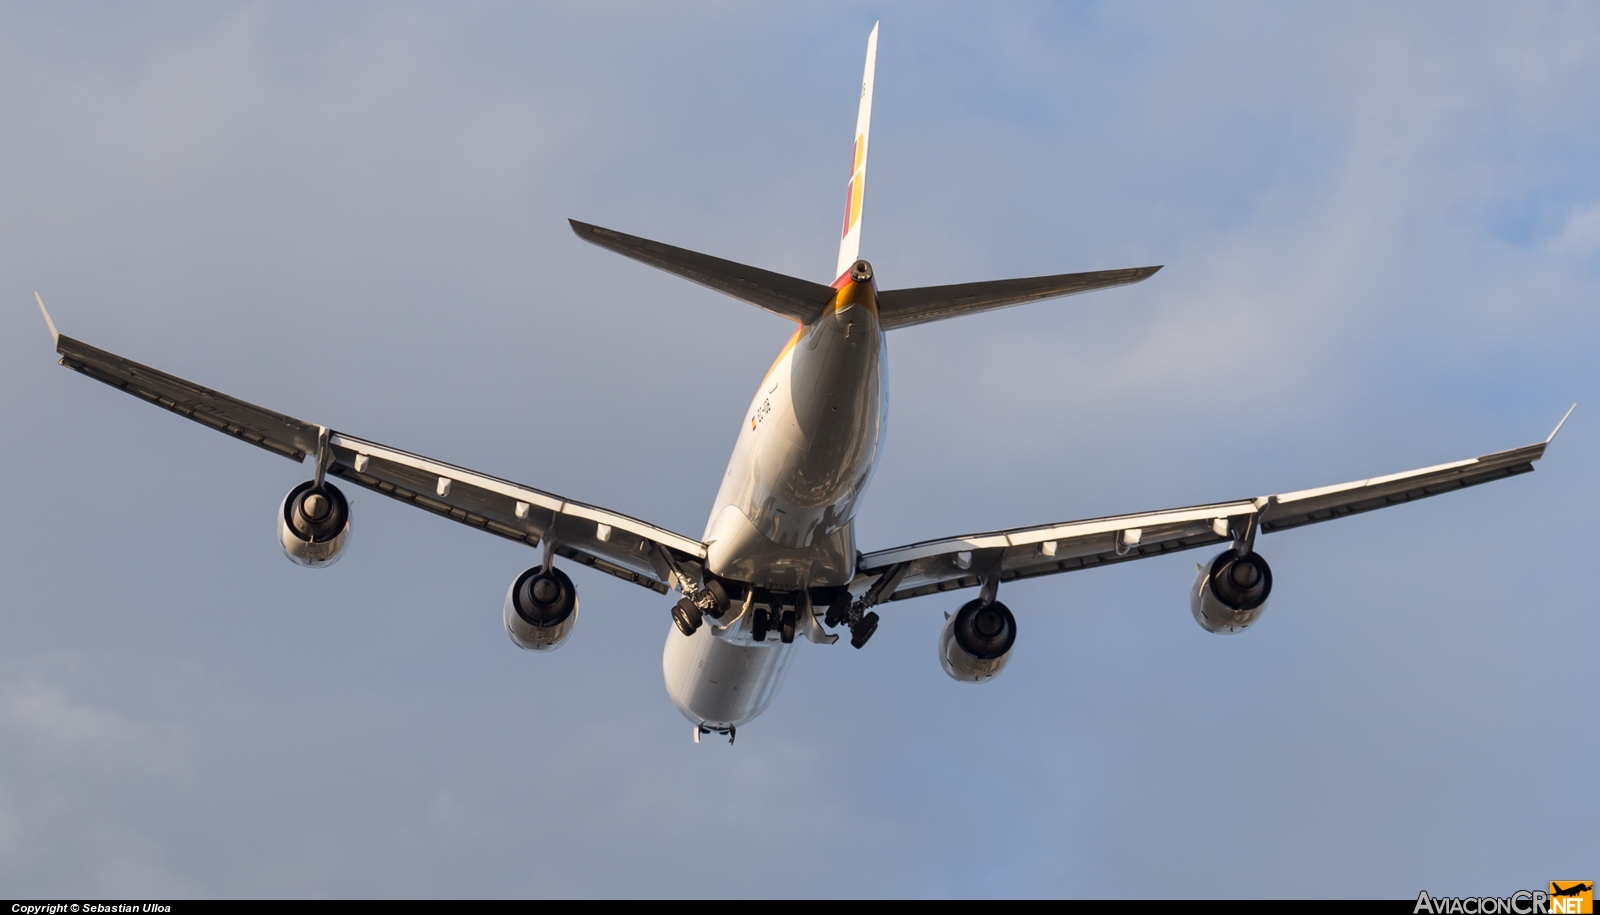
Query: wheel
[687, 616]
[860, 632]
[786, 632]
[838, 611]
[759, 622]
[719, 599]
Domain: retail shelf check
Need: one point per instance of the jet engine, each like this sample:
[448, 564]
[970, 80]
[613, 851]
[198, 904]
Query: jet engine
[314, 524]
[541, 608]
[976, 642]
[1230, 593]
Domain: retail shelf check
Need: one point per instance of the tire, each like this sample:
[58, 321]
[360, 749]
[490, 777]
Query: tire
[687, 616]
[719, 598]
[860, 632]
[838, 611]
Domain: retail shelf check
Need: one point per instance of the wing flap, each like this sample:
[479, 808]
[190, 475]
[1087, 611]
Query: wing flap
[919, 305]
[961, 562]
[796, 299]
[611, 542]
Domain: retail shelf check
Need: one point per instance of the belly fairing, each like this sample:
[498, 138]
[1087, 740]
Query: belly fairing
[722, 683]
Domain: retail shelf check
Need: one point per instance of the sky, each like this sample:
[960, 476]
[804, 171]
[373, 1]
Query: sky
[1380, 226]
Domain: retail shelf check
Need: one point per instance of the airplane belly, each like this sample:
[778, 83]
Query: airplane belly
[809, 445]
[718, 683]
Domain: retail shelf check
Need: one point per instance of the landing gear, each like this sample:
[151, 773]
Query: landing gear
[717, 597]
[838, 611]
[687, 616]
[702, 729]
[862, 622]
[788, 612]
[863, 628]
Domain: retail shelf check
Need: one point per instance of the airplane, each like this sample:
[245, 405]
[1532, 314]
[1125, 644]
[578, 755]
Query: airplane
[1577, 889]
[778, 556]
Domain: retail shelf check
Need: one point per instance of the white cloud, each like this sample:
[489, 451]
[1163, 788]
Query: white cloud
[74, 778]
[1581, 234]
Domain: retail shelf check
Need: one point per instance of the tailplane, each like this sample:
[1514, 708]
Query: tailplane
[793, 298]
[803, 301]
[905, 307]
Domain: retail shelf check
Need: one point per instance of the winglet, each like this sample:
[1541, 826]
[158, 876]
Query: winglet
[55, 335]
[1558, 425]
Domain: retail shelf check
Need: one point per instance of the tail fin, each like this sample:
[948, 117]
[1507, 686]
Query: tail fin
[850, 244]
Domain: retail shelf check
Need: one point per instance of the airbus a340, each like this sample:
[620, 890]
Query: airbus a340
[778, 558]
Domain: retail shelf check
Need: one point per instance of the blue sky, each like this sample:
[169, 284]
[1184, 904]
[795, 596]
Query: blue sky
[1381, 232]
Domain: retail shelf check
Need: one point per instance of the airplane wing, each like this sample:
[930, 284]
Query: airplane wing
[1025, 552]
[614, 543]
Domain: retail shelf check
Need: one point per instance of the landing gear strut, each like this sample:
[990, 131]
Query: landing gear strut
[862, 620]
[863, 628]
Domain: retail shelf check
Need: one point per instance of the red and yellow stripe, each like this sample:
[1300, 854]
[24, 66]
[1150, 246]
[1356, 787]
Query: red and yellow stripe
[852, 192]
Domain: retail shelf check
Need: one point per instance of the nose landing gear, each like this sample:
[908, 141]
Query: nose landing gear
[702, 729]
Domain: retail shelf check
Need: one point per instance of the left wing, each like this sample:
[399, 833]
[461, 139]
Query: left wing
[614, 543]
[1026, 552]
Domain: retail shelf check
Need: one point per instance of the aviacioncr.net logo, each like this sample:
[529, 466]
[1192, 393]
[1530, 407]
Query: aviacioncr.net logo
[1566, 897]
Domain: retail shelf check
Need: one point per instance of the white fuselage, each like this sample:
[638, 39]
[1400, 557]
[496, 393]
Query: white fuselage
[783, 521]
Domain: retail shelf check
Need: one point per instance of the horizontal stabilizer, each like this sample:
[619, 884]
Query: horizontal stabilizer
[795, 299]
[905, 307]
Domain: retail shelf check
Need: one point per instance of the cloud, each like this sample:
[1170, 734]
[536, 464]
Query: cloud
[1373, 221]
[1581, 234]
[71, 777]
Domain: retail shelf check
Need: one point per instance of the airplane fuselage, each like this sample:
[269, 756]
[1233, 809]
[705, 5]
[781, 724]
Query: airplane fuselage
[783, 521]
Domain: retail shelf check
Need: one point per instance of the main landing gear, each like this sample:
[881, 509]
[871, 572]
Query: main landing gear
[845, 610]
[691, 610]
[863, 621]
[788, 613]
[765, 619]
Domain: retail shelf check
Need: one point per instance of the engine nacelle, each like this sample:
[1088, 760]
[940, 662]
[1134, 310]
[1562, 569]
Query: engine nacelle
[314, 524]
[976, 642]
[1230, 593]
[541, 609]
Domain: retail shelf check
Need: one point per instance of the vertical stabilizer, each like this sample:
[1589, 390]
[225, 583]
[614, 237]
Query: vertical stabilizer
[850, 244]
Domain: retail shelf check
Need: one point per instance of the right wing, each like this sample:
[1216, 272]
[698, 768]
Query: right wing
[614, 543]
[1026, 552]
[919, 305]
